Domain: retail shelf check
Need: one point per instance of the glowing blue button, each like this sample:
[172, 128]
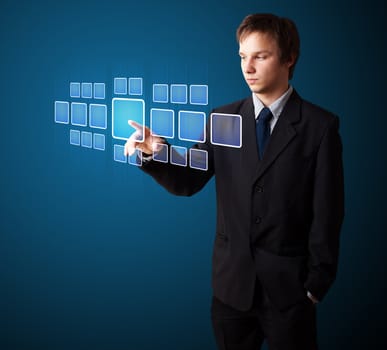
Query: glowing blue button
[162, 153]
[87, 90]
[98, 116]
[226, 130]
[179, 155]
[99, 91]
[179, 93]
[119, 155]
[99, 142]
[135, 158]
[162, 122]
[124, 109]
[135, 86]
[120, 86]
[198, 94]
[75, 137]
[78, 114]
[160, 93]
[61, 112]
[198, 159]
[86, 139]
[192, 126]
[75, 89]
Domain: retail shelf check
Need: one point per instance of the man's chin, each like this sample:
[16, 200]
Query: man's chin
[256, 90]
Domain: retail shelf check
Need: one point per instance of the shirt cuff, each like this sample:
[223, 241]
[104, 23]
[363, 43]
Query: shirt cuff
[147, 157]
[311, 297]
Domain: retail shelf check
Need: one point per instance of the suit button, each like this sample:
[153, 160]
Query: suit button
[257, 220]
[259, 189]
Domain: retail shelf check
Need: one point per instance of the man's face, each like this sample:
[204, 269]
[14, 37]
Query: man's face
[261, 65]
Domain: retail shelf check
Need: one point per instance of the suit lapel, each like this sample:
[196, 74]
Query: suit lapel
[282, 135]
[249, 150]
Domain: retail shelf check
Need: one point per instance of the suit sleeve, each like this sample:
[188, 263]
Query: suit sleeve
[180, 180]
[328, 213]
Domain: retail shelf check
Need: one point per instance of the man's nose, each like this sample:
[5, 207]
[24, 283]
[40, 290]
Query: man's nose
[248, 66]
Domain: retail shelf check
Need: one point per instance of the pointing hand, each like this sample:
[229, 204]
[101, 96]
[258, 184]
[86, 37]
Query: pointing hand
[141, 139]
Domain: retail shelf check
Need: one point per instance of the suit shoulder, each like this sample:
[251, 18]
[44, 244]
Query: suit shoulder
[317, 114]
[233, 107]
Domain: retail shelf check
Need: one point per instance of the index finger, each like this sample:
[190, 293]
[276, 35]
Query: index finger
[135, 125]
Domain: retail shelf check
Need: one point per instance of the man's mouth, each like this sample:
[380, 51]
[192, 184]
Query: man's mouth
[251, 81]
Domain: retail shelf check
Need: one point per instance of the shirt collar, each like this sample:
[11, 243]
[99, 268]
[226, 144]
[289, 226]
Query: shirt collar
[276, 107]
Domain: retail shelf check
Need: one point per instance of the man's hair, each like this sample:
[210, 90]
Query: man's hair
[283, 30]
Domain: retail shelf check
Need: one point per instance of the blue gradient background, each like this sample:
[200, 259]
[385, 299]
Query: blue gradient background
[93, 254]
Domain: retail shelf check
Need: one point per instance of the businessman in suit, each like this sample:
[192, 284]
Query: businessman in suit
[280, 200]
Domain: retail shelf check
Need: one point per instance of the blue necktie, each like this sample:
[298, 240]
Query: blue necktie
[263, 129]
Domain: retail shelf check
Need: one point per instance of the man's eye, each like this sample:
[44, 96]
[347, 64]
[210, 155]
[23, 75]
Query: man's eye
[260, 58]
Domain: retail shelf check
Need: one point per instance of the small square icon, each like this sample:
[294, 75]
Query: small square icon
[99, 142]
[75, 89]
[119, 155]
[78, 114]
[61, 112]
[198, 159]
[179, 93]
[75, 137]
[192, 126]
[86, 139]
[161, 155]
[120, 86]
[226, 130]
[160, 93]
[179, 155]
[87, 90]
[135, 158]
[162, 122]
[135, 86]
[198, 94]
[98, 116]
[99, 91]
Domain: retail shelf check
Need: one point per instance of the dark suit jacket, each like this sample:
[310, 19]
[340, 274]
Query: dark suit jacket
[278, 218]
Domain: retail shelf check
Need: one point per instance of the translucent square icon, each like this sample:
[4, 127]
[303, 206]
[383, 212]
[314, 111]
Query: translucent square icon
[179, 93]
[198, 159]
[61, 112]
[119, 155]
[226, 130]
[75, 89]
[162, 122]
[198, 94]
[99, 91]
[161, 155]
[192, 126]
[78, 113]
[99, 142]
[86, 139]
[160, 93]
[120, 86]
[75, 137]
[135, 158]
[87, 90]
[124, 109]
[135, 86]
[178, 155]
[98, 116]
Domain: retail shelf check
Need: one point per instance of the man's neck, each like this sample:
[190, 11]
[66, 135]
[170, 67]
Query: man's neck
[268, 98]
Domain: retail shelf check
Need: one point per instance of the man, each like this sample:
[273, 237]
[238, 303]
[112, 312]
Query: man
[279, 199]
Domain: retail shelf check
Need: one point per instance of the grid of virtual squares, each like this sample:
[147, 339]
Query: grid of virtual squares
[89, 120]
[83, 115]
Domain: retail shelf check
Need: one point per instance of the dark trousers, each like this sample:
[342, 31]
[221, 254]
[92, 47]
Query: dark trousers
[293, 329]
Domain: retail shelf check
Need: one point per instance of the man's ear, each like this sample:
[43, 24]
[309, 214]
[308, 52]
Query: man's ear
[291, 61]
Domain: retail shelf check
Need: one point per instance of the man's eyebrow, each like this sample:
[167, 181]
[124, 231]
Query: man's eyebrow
[255, 52]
